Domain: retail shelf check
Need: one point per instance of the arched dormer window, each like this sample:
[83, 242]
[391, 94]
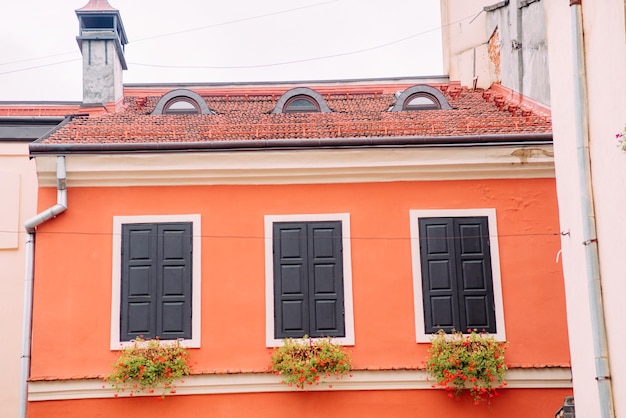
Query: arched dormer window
[421, 97]
[181, 102]
[301, 100]
[301, 104]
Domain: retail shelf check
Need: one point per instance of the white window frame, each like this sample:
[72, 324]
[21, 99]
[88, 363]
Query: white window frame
[118, 221]
[490, 213]
[344, 218]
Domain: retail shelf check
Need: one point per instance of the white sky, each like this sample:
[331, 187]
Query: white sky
[372, 38]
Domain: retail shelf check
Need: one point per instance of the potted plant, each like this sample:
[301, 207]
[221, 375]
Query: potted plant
[307, 361]
[148, 365]
[472, 362]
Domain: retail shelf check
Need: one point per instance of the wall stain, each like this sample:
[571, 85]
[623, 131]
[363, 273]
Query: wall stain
[525, 153]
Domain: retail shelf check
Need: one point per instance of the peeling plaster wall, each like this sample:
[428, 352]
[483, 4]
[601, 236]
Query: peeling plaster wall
[505, 45]
[536, 74]
[523, 57]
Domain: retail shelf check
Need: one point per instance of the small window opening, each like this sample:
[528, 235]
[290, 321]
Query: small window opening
[301, 104]
[98, 22]
[181, 106]
[421, 101]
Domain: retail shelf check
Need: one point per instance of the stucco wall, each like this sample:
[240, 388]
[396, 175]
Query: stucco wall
[604, 33]
[102, 72]
[18, 194]
[390, 403]
[464, 39]
[73, 293]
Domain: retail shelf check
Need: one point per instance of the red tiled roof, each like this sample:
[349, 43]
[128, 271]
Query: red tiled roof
[357, 112]
[42, 109]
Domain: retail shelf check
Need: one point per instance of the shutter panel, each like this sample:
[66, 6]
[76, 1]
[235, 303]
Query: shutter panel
[139, 267]
[291, 300]
[308, 279]
[325, 279]
[156, 281]
[475, 281]
[173, 285]
[438, 274]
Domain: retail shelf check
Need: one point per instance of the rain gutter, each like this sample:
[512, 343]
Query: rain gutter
[590, 239]
[39, 148]
[27, 326]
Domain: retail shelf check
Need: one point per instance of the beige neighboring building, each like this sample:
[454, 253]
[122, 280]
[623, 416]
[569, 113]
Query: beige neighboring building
[602, 52]
[539, 58]
[18, 199]
[20, 124]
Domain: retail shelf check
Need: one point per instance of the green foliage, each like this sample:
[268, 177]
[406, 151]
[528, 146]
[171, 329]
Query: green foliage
[149, 364]
[306, 361]
[473, 362]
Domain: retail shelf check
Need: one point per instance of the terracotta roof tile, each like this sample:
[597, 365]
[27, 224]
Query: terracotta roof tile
[246, 115]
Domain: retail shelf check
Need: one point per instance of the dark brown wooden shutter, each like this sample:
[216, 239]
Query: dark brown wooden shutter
[308, 279]
[326, 279]
[475, 278]
[174, 281]
[156, 281]
[456, 274]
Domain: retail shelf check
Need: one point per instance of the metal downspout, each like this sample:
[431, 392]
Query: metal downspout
[594, 280]
[27, 328]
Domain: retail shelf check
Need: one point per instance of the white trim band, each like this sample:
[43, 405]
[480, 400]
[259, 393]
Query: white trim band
[536, 378]
[303, 166]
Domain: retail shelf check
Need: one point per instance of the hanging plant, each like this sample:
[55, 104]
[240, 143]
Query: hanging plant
[473, 362]
[149, 365]
[308, 361]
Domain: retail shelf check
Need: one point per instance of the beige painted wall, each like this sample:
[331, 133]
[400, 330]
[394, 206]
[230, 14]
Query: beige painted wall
[18, 191]
[464, 41]
[605, 50]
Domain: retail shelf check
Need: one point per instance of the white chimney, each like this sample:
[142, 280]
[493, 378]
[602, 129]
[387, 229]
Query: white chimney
[101, 41]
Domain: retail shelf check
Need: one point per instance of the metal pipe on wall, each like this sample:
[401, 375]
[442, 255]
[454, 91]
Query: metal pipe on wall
[590, 242]
[27, 328]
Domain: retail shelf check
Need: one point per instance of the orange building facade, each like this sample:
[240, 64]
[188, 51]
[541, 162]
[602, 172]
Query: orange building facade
[385, 181]
[231, 198]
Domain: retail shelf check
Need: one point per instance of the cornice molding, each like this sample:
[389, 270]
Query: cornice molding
[537, 378]
[301, 166]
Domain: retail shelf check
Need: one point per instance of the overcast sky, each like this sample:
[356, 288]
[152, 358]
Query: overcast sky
[221, 41]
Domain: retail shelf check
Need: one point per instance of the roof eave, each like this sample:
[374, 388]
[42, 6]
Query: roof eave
[39, 148]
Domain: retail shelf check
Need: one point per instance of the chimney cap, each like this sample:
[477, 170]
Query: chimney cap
[97, 5]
